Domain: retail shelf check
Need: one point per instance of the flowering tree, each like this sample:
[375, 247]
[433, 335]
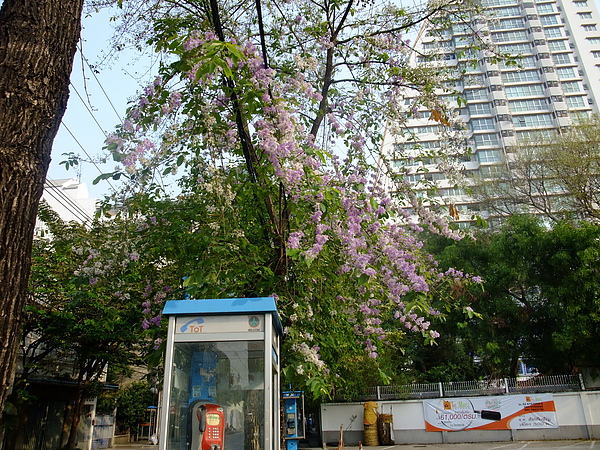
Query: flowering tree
[255, 157]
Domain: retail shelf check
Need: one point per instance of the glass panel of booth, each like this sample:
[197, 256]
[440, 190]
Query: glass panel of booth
[217, 395]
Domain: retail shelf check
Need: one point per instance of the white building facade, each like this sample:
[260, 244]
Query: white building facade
[556, 81]
[70, 199]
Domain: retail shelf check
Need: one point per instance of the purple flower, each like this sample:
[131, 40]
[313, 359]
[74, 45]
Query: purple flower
[294, 239]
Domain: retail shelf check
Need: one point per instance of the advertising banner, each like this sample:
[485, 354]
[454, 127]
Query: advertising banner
[516, 412]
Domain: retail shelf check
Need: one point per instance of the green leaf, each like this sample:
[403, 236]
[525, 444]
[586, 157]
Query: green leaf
[104, 176]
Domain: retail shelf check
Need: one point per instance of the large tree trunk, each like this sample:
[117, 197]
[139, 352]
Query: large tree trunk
[37, 45]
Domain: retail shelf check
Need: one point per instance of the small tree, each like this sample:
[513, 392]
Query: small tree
[87, 322]
[540, 299]
[555, 175]
[132, 404]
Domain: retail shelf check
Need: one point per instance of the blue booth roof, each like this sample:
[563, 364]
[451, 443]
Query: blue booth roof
[224, 306]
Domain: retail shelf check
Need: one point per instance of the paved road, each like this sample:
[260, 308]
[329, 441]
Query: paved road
[520, 445]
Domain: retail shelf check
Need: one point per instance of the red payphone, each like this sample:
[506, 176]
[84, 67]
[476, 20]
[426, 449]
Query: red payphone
[211, 424]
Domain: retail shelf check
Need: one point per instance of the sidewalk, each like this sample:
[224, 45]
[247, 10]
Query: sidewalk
[514, 445]
[135, 446]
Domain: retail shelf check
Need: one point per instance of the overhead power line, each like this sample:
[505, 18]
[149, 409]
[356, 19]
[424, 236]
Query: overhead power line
[55, 191]
[93, 71]
[89, 110]
[87, 154]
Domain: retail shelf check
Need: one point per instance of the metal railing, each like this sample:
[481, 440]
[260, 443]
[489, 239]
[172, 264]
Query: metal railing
[524, 385]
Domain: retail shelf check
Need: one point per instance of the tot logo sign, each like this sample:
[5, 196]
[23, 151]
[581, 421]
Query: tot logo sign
[193, 326]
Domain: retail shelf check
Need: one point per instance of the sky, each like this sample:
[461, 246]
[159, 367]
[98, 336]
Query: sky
[97, 102]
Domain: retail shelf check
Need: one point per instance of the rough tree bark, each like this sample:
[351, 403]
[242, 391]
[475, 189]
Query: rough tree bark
[37, 45]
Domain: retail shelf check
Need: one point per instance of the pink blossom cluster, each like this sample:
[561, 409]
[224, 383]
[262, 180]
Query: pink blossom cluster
[154, 298]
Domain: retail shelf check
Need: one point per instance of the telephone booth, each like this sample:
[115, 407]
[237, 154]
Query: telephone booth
[293, 420]
[221, 386]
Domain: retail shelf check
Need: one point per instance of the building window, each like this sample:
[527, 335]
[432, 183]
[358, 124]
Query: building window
[535, 104]
[472, 79]
[533, 120]
[488, 140]
[519, 77]
[565, 72]
[553, 32]
[576, 102]
[411, 162]
[529, 136]
[596, 54]
[431, 45]
[505, 12]
[546, 8]
[463, 68]
[435, 176]
[549, 20]
[452, 192]
[481, 124]
[498, 2]
[515, 49]
[579, 115]
[589, 27]
[414, 178]
[594, 40]
[585, 15]
[412, 146]
[525, 62]
[479, 108]
[490, 171]
[508, 36]
[425, 129]
[561, 58]
[581, 4]
[555, 46]
[570, 86]
[488, 156]
[476, 94]
[524, 91]
[507, 23]
[462, 28]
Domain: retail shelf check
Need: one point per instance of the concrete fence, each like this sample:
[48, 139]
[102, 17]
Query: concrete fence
[577, 413]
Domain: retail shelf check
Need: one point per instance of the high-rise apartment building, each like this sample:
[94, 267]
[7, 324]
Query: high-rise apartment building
[556, 81]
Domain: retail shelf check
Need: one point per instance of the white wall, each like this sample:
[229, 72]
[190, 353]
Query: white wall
[578, 415]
